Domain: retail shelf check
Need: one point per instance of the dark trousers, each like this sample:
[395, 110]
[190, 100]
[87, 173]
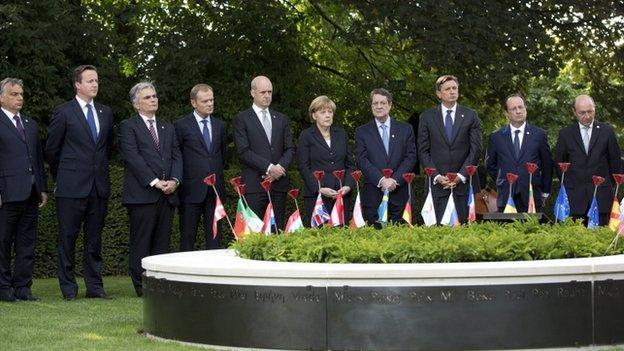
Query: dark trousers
[150, 234]
[90, 214]
[18, 231]
[259, 201]
[189, 222]
[461, 206]
[329, 205]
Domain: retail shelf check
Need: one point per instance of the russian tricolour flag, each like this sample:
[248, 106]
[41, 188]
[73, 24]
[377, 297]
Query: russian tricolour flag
[450, 217]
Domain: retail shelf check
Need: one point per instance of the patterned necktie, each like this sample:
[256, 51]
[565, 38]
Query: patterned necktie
[384, 137]
[91, 123]
[20, 127]
[586, 139]
[206, 134]
[152, 131]
[448, 124]
[266, 124]
[516, 142]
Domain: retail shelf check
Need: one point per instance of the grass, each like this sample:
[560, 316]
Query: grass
[83, 324]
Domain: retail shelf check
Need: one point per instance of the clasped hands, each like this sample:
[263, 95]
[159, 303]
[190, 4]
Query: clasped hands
[329, 192]
[275, 172]
[388, 183]
[166, 186]
[445, 183]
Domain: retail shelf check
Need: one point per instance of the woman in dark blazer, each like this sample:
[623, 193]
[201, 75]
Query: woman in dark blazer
[324, 147]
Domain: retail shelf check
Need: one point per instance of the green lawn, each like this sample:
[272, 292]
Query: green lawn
[83, 324]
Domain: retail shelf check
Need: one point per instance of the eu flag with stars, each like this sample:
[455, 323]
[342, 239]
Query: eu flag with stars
[562, 205]
[593, 215]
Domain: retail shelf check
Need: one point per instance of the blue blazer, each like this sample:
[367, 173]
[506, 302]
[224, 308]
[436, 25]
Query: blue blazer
[76, 161]
[501, 159]
[315, 155]
[20, 160]
[372, 158]
[197, 161]
[143, 162]
[255, 151]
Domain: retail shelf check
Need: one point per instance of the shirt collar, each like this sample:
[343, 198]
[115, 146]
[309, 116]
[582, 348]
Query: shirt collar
[591, 125]
[9, 113]
[387, 122]
[146, 118]
[521, 128]
[444, 109]
[199, 119]
[83, 103]
[258, 110]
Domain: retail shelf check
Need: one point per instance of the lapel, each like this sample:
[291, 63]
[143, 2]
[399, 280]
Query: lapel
[439, 122]
[255, 121]
[506, 133]
[103, 134]
[525, 140]
[594, 136]
[274, 126]
[316, 134]
[377, 136]
[5, 120]
[82, 120]
[576, 133]
[391, 136]
[458, 123]
[143, 129]
[195, 129]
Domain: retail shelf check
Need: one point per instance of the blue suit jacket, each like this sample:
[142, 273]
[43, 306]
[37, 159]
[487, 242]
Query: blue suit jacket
[76, 161]
[197, 161]
[501, 159]
[143, 162]
[372, 158]
[19, 160]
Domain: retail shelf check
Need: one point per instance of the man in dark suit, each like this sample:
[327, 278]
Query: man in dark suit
[264, 144]
[592, 149]
[384, 143]
[23, 190]
[80, 139]
[509, 150]
[152, 173]
[202, 140]
[449, 139]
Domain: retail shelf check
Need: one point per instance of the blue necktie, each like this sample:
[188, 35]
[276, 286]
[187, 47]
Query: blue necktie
[448, 125]
[516, 142]
[384, 137]
[91, 122]
[206, 134]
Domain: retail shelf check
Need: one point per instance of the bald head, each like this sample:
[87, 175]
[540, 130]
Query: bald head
[262, 91]
[584, 109]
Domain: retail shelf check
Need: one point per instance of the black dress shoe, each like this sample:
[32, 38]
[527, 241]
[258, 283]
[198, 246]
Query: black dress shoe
[101, 295]
[7, 298]
[69, 297]
[27, 298]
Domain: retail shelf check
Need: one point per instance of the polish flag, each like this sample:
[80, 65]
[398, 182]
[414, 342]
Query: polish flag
[219, 213]
[337, 213]
[358, 220]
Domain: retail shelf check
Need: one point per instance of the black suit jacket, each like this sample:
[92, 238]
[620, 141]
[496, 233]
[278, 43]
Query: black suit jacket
[372, 158]
[501, 159]
[20, 160]
[197, 160]
[143, 162]
[437, 151]
[315, 155]
[603, 160]
[76, 162]
[255, 151]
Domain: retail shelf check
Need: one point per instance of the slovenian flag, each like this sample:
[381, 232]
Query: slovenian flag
[357, 221]
[593, 214]
[472, 211]
[269, 219]
[294, 223]
[562, 205]
[319, 214]
[450, 217]
[337, 214]
[382, 211]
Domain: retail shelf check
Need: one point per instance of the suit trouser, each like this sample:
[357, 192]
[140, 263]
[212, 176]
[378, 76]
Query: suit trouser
[190, 214]
[461, 206]
[150, 234]
[90, 213]
[258, 202]
[18, 229]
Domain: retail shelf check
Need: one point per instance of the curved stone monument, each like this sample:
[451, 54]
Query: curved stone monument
[215, 298]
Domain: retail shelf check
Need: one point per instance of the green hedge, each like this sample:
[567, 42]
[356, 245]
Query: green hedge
[116, 232]
[472, 243]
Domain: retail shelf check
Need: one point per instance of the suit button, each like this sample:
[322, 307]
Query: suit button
[29, 169]
[331, 154]
[332, 162]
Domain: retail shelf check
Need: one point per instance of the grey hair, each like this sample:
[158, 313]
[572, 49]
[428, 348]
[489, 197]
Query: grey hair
[137, 88]
[10, 81]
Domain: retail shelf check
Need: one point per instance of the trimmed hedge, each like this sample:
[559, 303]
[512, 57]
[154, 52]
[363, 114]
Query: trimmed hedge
[116, 231]
[400, 244]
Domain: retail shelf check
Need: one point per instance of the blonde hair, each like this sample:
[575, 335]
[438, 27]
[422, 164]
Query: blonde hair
[319, 103]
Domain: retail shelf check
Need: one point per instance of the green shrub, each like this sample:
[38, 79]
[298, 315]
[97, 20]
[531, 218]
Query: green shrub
[400, 244]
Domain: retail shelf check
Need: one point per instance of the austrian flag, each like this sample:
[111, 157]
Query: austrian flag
[219, 213]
